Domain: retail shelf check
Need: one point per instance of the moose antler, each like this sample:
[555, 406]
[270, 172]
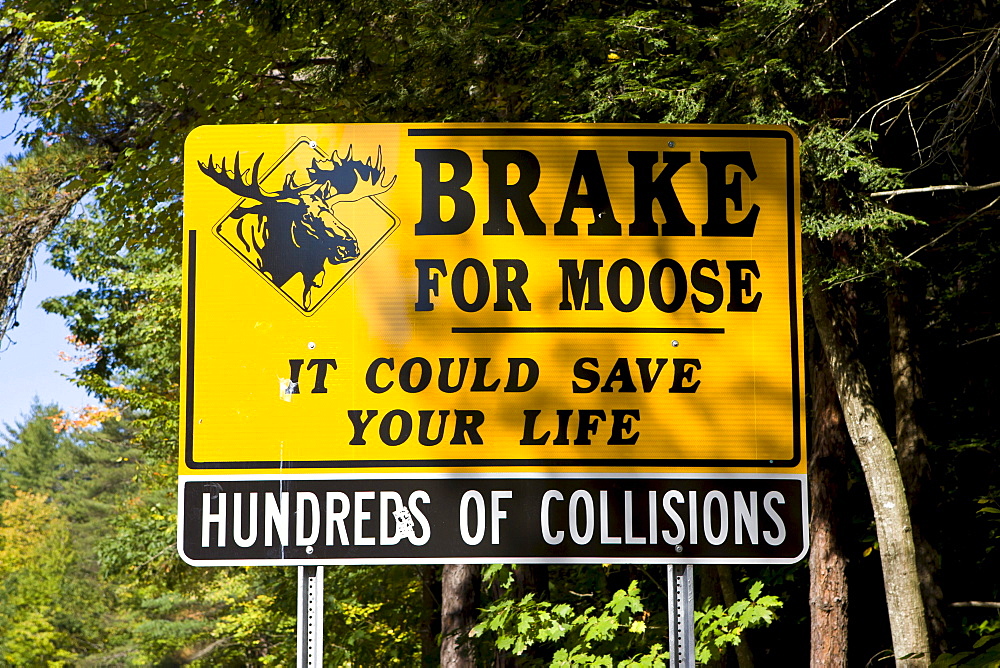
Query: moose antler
[235, 183]
[290, 188]
[352, 179]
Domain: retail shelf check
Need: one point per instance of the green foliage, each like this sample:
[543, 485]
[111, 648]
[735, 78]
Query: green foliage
[840, 172]
[255, 627]
[140, 539]
[34, 457]
[37, 190]
[648, 71]
[371, 615]
[985, 653]
[36, 563]
[623, 632]
[67, 486]
[718, 626]
[135, 81]
[749, 63]
[614, 635]
[126, 328]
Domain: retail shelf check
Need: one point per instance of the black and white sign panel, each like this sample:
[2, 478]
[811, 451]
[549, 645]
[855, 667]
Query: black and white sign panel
[490, 518]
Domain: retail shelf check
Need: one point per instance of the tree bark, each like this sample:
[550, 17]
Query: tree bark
[911, 450]
[885, 483]
[430, 623]
[827, 558]
[459, 597]
[20, 236]
[744, 657]
[528, 579]
[710, 588]
[907, 391]
[532, 579]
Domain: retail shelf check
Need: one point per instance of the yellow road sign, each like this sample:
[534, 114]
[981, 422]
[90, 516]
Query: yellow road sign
[483, 296]
[489, 299]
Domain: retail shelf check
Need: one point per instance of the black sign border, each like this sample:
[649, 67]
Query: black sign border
[443, 130]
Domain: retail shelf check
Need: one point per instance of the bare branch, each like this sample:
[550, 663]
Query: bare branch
[310, 62]
[929, 189]
[867, 18]
[209, 648]
[972, 68]
[930, 243]
[951, 229]
[981, 338]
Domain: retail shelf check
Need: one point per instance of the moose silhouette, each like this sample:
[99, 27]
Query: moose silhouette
[296, 231]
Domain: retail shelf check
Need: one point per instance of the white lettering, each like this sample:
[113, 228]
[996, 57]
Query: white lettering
[720, 498]
[463, 523]
[209, 518]
[300, 518]
[746, 517]
[387, 520]
[629, 538]
[238, 520]
[778, 537]
[337, 518]
[574, 529]
[652, 518]
[668, 499]
[419, 517]
[360, 517]
[275, 518]
[550, 538]
[693, 516]
[497, 514]
[606, 539]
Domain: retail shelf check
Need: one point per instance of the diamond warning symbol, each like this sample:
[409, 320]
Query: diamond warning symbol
[307, 222]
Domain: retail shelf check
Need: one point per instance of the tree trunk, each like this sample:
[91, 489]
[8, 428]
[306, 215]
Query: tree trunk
[532, 579]
[528, 579]
[911, 450]
[709, 588]
[744, 657]
[885, 484]
[827, 559]
[430, 624]
[459, 597]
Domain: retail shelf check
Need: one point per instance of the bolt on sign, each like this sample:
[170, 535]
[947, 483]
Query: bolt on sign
[435, 343]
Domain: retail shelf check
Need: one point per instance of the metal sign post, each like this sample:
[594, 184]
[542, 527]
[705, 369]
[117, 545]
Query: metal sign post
[310, 617]
[681, 615]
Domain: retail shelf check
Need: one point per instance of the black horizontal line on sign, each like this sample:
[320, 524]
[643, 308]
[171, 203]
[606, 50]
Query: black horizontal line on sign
[588, 330]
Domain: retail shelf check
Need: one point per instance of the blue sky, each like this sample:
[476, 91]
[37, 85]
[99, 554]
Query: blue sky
[29, 359]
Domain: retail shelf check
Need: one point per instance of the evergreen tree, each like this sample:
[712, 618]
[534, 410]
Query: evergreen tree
[34, 457]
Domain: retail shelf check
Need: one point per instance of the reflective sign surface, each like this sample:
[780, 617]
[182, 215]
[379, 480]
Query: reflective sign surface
[489, 299]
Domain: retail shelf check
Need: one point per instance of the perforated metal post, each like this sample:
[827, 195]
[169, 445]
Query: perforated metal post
[310, 617]
[681, 615]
